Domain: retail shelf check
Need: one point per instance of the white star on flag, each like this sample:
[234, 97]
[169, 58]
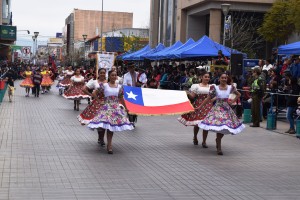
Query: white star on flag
[131, 95]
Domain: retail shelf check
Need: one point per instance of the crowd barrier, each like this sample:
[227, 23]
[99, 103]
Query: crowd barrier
[272, 116]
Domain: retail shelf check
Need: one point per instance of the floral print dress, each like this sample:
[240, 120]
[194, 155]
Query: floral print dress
[194, 118]
[111, 116]
[221, 118]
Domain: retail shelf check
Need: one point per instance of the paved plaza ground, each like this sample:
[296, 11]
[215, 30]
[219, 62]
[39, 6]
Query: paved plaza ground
[46, 154]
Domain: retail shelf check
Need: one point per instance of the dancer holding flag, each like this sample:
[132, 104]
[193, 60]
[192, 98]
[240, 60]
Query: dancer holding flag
[111, 117]
[91, 110]
[27, 83]
[198, 93]
[221, 118]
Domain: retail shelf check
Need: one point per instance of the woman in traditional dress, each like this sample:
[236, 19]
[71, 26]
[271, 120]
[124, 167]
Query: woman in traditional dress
[75, 89]
[67, 80]
[91, 110]
[27, 83]
[47, 81]
[111, 117]
[221, 118]
[198, 93]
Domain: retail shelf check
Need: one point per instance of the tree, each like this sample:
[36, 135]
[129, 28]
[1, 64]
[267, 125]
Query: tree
[245, 37]
[278, 22]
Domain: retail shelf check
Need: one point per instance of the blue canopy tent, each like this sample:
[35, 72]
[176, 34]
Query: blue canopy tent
[128, 57]
[120, 57]
[170, 54]
[289, 49]
[205, 47]
[158, 48]
[158, 55]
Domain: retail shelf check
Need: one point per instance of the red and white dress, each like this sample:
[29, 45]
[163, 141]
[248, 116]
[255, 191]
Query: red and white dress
[194, 118]
[27, 83]
[91, 110]
[67, 80]
[75, 90]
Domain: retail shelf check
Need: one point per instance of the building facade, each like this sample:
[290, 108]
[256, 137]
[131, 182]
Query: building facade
[195, 18]
[8, 33]
[163, 22]
[88, 22]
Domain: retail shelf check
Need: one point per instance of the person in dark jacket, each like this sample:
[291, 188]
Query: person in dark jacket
[37, 80]
[292, 90]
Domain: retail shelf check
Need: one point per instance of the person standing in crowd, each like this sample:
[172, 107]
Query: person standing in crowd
[257, 92]
[295, 68]
[291, 88]
[10, 77]
[37, 80]
[130, 79]
[119, 79]
[141, 78]
[75, 89]
[91, 110]
[268, 65]
[272, 86]
[46, 81]
[198, 93]
[111, 117]
[221, 118]
[27, 83]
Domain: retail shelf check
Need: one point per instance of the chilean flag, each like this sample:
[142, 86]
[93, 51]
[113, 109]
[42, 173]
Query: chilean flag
[146, 101]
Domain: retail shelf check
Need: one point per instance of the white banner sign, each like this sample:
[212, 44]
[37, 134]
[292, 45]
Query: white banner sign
[26, 51]
[106, 61]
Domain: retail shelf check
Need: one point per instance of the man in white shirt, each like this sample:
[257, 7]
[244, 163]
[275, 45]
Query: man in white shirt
[130, 78]
[267, 66]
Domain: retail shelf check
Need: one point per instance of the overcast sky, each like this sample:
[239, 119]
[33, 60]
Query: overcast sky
[48, 16]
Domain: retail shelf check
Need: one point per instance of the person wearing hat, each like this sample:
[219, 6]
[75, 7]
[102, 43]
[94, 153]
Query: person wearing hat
[257, 92]
[37, 80]
[130, 79]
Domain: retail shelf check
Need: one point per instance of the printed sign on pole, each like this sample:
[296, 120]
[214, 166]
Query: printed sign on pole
[106, 61]
[26, 51]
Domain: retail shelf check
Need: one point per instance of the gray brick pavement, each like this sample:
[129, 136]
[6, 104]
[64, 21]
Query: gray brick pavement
[46, 154]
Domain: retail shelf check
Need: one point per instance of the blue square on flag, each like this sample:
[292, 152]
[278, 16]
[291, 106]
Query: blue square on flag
[133, 95]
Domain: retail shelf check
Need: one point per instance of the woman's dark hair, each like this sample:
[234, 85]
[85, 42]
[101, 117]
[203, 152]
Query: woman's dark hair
[202, 74]
[101, 70]
[109, 73]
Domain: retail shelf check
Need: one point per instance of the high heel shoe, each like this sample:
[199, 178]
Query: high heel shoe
[110, 151]
[204, 145]
[195, 141]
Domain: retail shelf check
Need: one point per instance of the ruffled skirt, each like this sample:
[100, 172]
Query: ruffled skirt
[47, 81]
[90, 111]
[222, 119]
[66, 81]
[194, 118]
[27, 83]
[75, 92]
[111, 116]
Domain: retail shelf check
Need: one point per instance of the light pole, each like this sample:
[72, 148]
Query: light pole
[33, 45]
[225, 8]
[101, 27]
[84, 49]
[36, 34]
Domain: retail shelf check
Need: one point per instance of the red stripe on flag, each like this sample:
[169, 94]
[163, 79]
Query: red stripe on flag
[159, 110]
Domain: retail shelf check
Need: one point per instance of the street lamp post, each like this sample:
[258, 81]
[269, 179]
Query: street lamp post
[84, 49]
[36, 34]
[225, 8]
[33, 46]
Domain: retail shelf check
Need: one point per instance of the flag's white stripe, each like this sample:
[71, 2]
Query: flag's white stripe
[156, 97]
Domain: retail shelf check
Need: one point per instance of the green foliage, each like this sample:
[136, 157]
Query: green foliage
[278, 22]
